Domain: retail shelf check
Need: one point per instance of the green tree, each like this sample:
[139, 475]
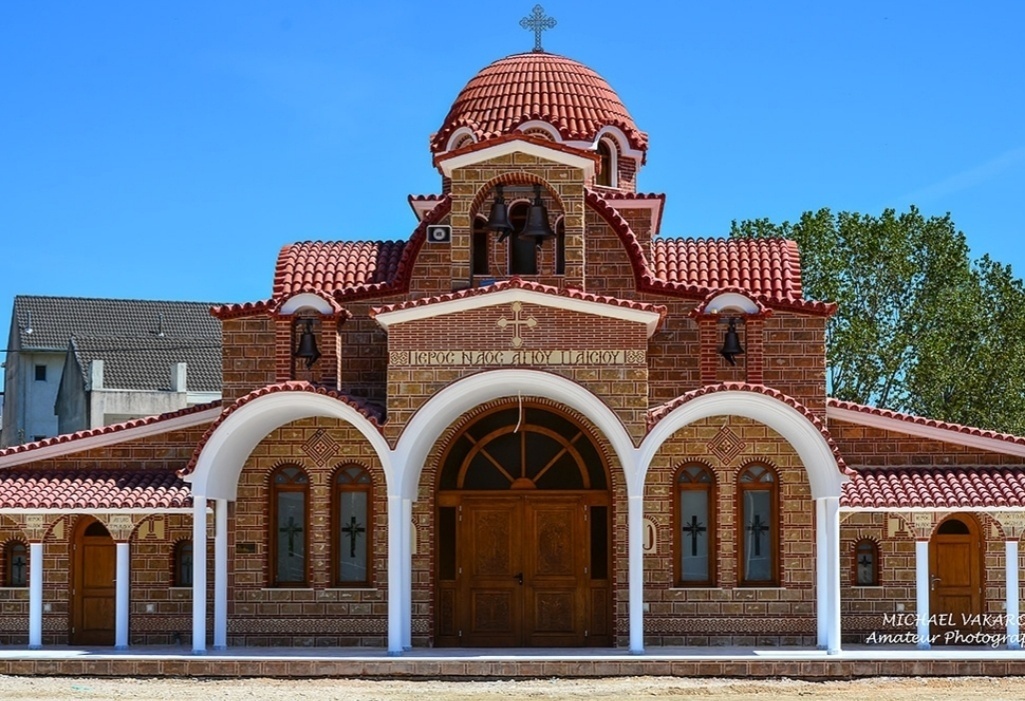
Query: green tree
[920, 328]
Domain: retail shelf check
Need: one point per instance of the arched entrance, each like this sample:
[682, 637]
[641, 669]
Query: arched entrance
[523, 524]
[92, 592]
[955, 579]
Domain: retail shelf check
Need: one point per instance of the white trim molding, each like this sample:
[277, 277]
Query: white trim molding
[448, 164]
[305, 300]
[650, 319]
[729, 301]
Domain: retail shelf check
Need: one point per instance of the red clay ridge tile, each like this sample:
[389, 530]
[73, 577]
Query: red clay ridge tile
[656, 414]
[517, 283]
[103, 430]
[372, 412]
[922, 421]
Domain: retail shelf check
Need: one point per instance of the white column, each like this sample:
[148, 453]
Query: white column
[832, 509]
[220, 575]
[407, 578]
[35, 596]
[396, 569]
[821, 573]
[198, 574]
[1013, 601]
[122, 588]
[922, 593]
[635, 551]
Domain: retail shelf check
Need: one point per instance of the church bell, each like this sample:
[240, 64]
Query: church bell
[307, 345]
[498, 220]
[537, 224]
[731, 344]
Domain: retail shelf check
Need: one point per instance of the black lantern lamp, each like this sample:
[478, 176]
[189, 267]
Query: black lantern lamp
[731, 343]
[498, 220]
[537, 224]
[307, 345]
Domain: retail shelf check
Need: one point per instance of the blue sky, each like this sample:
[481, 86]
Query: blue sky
[167, 150]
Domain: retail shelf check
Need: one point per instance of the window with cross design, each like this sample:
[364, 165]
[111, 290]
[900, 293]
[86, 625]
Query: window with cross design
[866, 563]
[758, 519]
[353, 512]
[16, 564]
[694, 531]
[290, 488]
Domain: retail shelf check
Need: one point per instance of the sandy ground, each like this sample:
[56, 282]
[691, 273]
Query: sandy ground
[619, 689]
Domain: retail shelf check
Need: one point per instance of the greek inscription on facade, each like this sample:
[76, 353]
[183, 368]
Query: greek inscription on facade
[517, 357]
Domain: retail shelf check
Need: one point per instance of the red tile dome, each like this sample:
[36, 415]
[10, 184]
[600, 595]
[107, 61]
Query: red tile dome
[571, 97]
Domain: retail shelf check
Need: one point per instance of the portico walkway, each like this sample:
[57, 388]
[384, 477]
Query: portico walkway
[855, 661]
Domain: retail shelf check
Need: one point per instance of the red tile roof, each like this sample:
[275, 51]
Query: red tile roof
[656, 414]
[931, 423]
[537, 85]
[375, 414]
[952, 488]
[766, 269]
[92, 489]
[103, 430]
[517, 283]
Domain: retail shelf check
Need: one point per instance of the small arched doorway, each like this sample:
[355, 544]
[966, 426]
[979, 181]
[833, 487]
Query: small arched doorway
[94, 567]
[523, 523]
[955, 579]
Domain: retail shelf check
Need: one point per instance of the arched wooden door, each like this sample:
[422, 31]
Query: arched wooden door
[92, 591]
[955, 572]
[523, 521]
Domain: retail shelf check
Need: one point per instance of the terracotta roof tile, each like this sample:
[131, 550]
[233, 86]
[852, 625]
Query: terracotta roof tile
[103, 430]
[92, 489]
[954, 488]
[931, 423]
[656, 414]
[375, 414]
[766, 269]
[517, 283]
[537, 85]
[333, 266]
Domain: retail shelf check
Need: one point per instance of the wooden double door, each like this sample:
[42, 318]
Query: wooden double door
[525, 573]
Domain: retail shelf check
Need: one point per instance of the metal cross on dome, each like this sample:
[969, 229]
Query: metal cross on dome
[537, 23]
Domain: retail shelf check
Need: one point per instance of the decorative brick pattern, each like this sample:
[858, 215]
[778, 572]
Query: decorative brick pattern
[726, 445]
[321, 447]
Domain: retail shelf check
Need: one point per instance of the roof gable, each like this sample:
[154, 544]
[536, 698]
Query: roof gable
[518, 290]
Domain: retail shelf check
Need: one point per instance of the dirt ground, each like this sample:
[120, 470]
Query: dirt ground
[619, 689]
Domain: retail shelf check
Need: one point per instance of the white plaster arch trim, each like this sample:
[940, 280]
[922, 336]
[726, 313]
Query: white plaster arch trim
[428, 424]
[459, 134]
[728, 301]
[544, 126]
[616, 134]
[306, 300]
[815, 452]
[226, 451]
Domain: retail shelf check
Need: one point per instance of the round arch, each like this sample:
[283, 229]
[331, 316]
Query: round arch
[431, 420]
[221, 460]
[812, 447]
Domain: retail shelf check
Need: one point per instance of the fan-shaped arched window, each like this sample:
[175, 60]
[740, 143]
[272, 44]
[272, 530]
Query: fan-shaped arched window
[758, 525]
[289, 491]
[866, 563]
[353, 517]
[694, 534]
[16, 565]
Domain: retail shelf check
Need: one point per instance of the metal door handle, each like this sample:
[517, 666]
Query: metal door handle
[932, 582]
[519, 577]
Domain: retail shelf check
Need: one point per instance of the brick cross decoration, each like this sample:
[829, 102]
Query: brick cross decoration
[353, 530]
[292, 529]
[756, 528]
[537, 22]
[694, 529]
[516, 322]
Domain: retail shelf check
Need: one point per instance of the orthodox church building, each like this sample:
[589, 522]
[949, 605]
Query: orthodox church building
[534, 421]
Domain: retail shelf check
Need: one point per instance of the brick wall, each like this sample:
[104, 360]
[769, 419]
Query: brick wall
[728, 614]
